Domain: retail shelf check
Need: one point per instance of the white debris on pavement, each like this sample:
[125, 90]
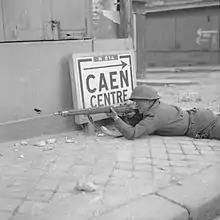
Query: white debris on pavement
[86, 186]
[49, 148]
[70, 140]
[51, 141]
[100, 134]
[23, 143]
[40, 144]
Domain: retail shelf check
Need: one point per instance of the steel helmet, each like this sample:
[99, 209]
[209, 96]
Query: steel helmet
[144, 92]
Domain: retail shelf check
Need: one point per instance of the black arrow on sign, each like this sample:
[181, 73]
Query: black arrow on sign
[123, 65]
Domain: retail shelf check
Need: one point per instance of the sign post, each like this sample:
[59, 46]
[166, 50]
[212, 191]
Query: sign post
[101, 79]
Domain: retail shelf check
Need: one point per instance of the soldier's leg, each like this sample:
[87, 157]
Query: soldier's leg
[215, 132]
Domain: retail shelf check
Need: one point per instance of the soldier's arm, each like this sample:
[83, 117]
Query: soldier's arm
[146, 126]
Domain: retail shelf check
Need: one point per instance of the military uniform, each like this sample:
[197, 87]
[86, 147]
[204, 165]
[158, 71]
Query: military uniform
[169, 120]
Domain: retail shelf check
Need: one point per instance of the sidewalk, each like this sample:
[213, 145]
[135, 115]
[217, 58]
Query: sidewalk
[151, 178]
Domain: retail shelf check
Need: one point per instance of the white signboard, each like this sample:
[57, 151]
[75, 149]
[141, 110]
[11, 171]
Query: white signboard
[206, 35]
[101, 79]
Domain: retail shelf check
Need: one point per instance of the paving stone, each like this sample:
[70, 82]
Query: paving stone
[174, 150]
[98, 179]
[122, 173]
[72, 206]
[40, 195]
[9, 204]
[142, 167]
[114, 198]
[145, 160]
[32, 207]
[48, 184]
[124, 166]
[150, 207]
[5, 215]
[142, 174]
[19, 216]
[178, 157]
[124, 156]
[15, 192]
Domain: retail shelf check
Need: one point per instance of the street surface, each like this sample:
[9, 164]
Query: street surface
[39, 182]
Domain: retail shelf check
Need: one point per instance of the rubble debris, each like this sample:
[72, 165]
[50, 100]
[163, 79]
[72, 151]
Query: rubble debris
[40, 144]
[23, 143]
[176, 181]
[100, 134]
[86, 186]
[162, 169]
[21, 156]
[70, 140]
[47, 148]
[51, 141]
[190, 97]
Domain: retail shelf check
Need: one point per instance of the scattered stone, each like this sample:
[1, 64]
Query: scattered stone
[161, 168]
[86, 186]
[100, 134]
[190, 97]
[23, 143]
[47, 148]
[51, 141]
[175, 180]
[17, 144]
[70, 140]
[179, 183]
[21, 156]
[40, 144]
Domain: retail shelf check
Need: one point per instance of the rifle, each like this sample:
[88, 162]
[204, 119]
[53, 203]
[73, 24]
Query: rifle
[121, 110]
[127, 112]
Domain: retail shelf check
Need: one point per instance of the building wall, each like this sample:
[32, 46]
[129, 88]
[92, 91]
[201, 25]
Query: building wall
[36, 75]
[171, 38]
[28, 20]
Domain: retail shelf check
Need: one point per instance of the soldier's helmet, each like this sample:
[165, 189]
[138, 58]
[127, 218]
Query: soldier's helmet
[144, 92]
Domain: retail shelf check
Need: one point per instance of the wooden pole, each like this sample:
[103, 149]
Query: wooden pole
[125, 27]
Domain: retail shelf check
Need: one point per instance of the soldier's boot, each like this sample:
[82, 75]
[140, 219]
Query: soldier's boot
[215, 132]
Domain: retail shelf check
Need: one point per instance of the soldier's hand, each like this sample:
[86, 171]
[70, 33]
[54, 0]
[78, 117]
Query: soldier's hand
[114, 113]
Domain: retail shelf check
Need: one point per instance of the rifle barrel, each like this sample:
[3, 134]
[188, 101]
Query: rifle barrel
[98, 110]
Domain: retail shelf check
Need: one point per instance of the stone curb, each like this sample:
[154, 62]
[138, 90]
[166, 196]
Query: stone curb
[198, 198]
[150, 207]
[200, 194]
[183, 69]
[162, 82]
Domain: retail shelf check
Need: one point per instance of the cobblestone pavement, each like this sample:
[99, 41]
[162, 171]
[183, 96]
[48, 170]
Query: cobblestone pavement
[39, 182]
